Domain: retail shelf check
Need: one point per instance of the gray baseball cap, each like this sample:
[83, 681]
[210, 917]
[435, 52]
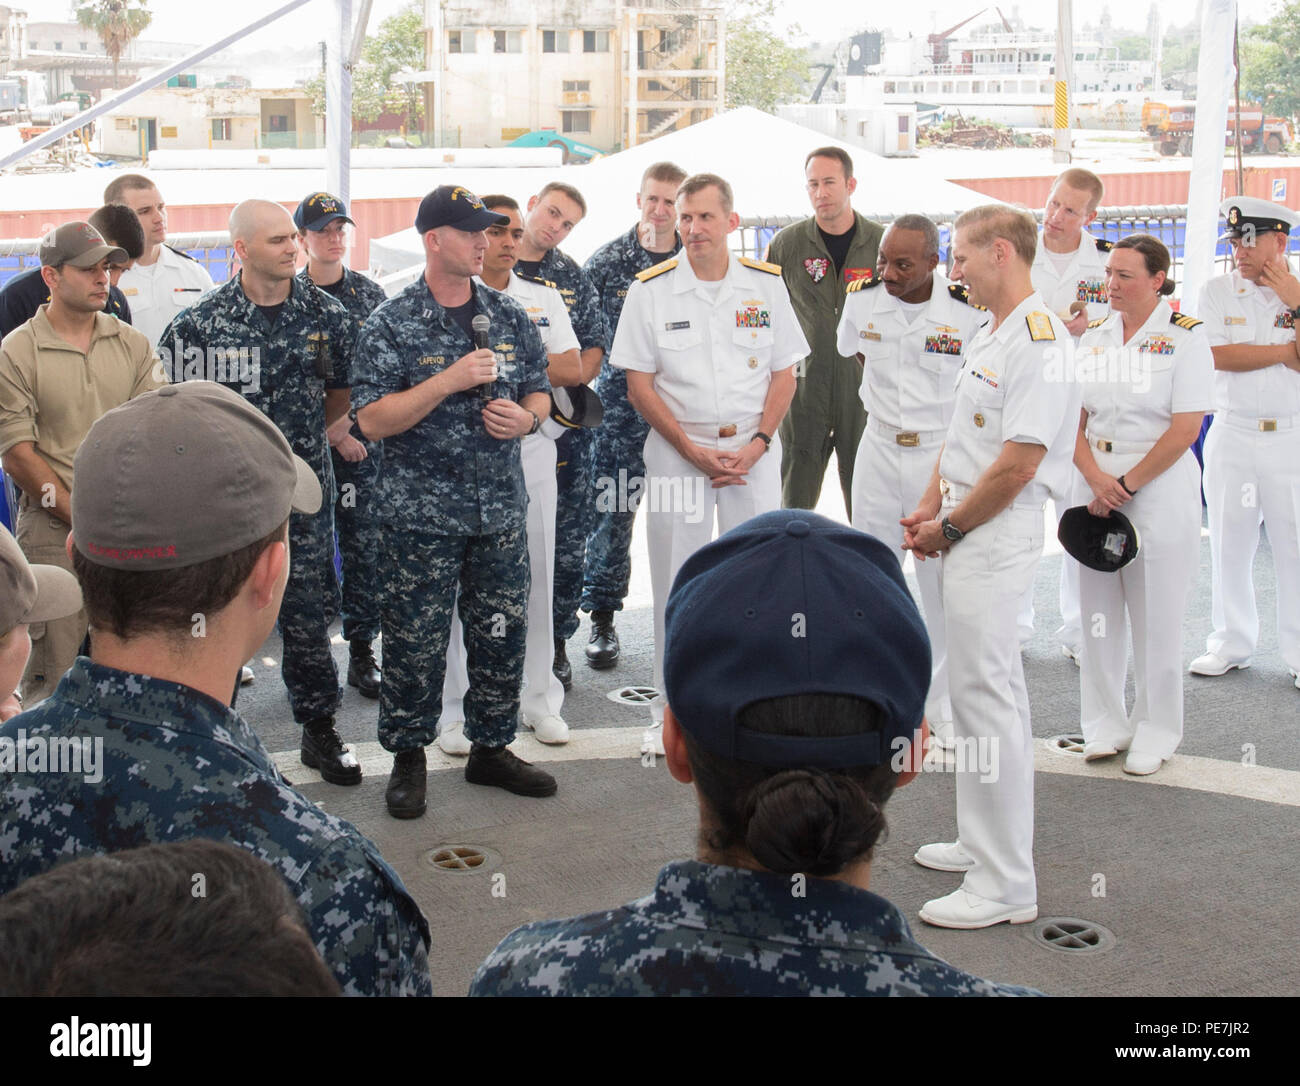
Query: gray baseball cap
[32, 593]
[78, 244]
[181, 475]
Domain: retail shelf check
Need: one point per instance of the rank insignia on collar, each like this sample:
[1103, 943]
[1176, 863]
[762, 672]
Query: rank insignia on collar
[816, 267]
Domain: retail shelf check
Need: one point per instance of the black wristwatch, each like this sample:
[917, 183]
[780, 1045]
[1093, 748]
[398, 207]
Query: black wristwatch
[767, 441]
[352, 414]
[537, 423]
[951, 532]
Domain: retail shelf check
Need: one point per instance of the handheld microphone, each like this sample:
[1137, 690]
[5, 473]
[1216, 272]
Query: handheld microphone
[482, 327]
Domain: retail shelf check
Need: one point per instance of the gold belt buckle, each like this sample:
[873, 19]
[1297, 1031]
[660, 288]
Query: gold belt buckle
[910, 438]
[729, 430]
[1267, 426]
[1105, 446]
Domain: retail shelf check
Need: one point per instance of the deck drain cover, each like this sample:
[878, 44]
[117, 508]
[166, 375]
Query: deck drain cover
[1066, 744]
[461, 858]
[633, 695]
[1071, 935]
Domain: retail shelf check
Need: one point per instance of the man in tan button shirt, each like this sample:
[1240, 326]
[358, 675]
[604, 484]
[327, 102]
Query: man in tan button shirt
[60, 372]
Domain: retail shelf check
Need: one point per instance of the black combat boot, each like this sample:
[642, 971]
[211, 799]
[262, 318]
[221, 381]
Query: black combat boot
[561, 666]
[323, 750]
[406, 784]
[363, 672]
[602, 649]
[500, 768]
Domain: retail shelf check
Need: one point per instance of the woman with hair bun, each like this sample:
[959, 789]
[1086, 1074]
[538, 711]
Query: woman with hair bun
[1147, 378]
[796, 668]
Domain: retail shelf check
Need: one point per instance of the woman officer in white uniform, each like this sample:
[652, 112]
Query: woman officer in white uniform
[1147, 378]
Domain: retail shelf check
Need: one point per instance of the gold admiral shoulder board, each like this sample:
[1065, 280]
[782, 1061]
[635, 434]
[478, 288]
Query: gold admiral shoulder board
[761, 265]
[959, 293]
[1104, 246]
[862, 284]
[1040, 326]
[658, 269]
[1098, 322]
[1184, 321]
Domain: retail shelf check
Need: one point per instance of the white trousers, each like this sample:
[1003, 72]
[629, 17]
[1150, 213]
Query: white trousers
[680, 507]
[1153, 588]
[889, 481]
[543, 693]
[1069, 632]
[984, 578]
[1252, 478]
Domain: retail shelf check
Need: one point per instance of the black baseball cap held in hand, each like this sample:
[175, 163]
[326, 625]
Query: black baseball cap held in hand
[792, 603]
[452, 205]
[1105, 544]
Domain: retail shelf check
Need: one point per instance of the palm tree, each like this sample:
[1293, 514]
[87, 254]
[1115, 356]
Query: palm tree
[116, 22]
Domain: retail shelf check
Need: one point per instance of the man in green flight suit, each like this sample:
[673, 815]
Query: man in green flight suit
[819, 257]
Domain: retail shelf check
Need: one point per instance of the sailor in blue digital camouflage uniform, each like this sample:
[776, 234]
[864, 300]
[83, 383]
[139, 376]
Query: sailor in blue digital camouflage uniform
[796, 706]
[182, 501]
[618, 443]
[324, 230]
[451, 497]
[552, 213]
[286, 347]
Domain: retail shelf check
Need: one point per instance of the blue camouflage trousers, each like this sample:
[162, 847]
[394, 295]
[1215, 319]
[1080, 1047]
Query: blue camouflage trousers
[421, 574]
[618, 447]
[308, 669]
[573, 521]
[359, 540]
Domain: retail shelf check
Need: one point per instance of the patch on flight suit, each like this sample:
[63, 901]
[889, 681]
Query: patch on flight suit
[1092, 290]
[944, 342]
[959, 293]
[753, 317]
[658, 269]
[761, 265]
[816, 267]
[1104, 246]
[1285, 319]
[862, 284]
[1040, 327]
[858, 275]
[1184, 321]
[1157, 345]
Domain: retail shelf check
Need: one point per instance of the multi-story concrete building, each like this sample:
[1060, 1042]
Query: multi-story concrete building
[610, 73]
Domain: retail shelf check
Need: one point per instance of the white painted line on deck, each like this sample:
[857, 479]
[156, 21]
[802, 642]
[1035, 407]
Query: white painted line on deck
[1263, 783]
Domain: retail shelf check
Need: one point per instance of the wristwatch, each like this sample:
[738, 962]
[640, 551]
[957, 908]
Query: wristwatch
[767, 441]
[951, 532]
[537, 423]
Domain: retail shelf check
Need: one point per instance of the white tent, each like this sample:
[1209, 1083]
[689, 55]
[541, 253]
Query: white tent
[760, 155]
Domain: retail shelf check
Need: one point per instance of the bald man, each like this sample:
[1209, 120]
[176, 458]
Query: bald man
[285, 346]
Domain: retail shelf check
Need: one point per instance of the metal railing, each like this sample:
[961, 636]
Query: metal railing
[211, 248]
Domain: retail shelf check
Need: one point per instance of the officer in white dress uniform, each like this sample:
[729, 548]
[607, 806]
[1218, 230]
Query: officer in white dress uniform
[1069, 271]
[163, 281]
[709, 344]
[1252, 452]
[1009, 444]
[909, 337]
[542, 697]
[1147, 380]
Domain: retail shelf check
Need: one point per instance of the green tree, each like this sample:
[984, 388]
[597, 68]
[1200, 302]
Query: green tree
[763, 69]
[1270, 62]
[116, 22]
[1133, 47]
[398, 45]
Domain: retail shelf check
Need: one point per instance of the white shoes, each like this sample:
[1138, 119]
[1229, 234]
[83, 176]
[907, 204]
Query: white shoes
[1142, 765]
[245, 675]
[451, 739]
[1094, 751]
[964, 910]
[944, 857]
[941, 734]
[1071, 653]
[1295, 675]
[1211, 663]
[652, 741]
[549, 729]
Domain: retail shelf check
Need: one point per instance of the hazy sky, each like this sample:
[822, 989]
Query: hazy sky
[186, 21]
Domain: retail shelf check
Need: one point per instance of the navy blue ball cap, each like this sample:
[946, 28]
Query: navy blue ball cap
[452, 205]
[318, 210]
[792, 603]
